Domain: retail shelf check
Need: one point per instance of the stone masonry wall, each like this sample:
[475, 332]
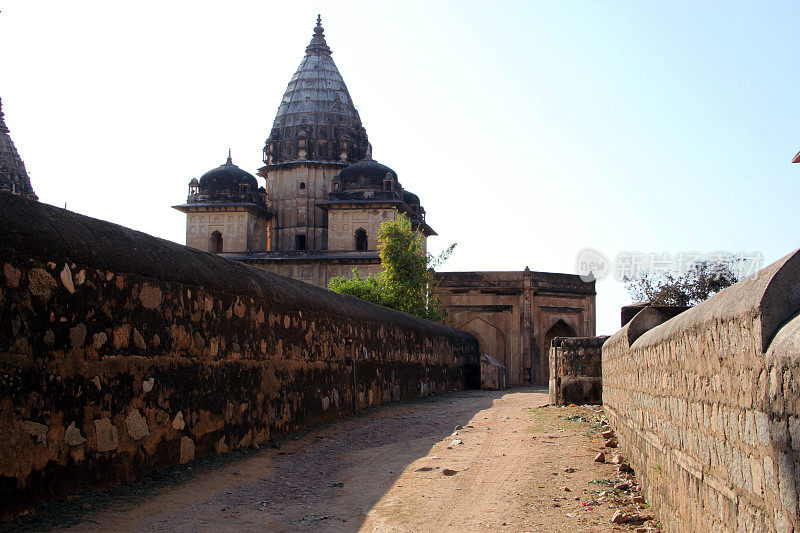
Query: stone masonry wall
[121, 353]
[575, 370]
[707, 405]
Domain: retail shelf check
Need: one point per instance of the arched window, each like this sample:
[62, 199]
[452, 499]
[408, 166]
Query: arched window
[302, 185]
[216, 242]
[361, 240]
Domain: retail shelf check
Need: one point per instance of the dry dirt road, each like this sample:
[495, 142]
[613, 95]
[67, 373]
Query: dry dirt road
[511, 465]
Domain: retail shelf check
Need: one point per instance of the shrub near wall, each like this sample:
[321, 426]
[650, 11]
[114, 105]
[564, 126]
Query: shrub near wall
[121, 353]
[707, 405]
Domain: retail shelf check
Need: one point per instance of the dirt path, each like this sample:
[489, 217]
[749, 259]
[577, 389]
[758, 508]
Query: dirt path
[509, 469]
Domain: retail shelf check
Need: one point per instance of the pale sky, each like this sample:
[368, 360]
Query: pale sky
[530, 130]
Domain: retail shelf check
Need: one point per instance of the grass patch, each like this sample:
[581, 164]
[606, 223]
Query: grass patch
[551, 418]
[606, 482]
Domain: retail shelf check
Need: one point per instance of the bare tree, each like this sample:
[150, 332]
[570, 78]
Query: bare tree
[700, 281]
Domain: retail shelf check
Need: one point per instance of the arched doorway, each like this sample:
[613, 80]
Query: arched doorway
[361, 240]
[560, 329]
[216, 242]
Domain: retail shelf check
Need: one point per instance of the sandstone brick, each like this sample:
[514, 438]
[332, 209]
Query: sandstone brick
[99, 340]
[757, 475]
[186, 449]
[787, 483]
[66, 279]
[41, 283]
[12, 274]
[138, 340]
[794, 431]
[77, 336]
[770, 475]
[150, 296]
[122, 336]
[137, 425]
[178, 423]
[106, 436]
[35, 429]
[221, 446]
[73, 436]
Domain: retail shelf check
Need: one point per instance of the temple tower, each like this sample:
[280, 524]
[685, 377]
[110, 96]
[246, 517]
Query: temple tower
[316, 133]
[13, 176]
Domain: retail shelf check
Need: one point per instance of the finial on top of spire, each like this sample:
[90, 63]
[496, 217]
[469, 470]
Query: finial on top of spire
[318, 45]
[230, 161]
[3, 127]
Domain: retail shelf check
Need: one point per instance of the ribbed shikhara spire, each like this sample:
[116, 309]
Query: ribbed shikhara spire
[316, 120]
[13, 176]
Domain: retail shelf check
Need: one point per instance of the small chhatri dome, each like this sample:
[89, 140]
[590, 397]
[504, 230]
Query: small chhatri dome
[316, 120]
[366, 173]
[13, 176]
[226, 183]
[366, 180]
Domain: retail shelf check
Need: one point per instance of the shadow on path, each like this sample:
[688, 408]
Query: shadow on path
[326, 477]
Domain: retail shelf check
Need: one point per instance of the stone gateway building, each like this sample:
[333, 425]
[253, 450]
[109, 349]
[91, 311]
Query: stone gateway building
[516, 315]
[319, 215]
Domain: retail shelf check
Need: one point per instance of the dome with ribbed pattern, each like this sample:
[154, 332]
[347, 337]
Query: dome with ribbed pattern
[316, 120]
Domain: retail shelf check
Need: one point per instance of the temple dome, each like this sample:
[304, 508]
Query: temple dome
[410, 198]
[365, 174]
[227, 178]
[226, 183]
[316, 120]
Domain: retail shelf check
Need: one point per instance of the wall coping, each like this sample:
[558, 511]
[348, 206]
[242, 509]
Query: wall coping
[36, 230]
[768, 298]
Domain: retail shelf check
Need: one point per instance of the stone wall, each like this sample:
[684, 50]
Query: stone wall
[707, 405]
[121, 353]
[627, 312]
[575, 370]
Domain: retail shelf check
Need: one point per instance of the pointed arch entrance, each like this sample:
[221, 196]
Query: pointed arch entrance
[561, 328]
[491, 338]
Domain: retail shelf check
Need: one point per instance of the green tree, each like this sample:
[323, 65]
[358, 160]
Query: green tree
[406, 281]
[700, 281]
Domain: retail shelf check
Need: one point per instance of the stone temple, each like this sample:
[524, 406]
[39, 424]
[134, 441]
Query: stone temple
[13, 176]
[325, 198]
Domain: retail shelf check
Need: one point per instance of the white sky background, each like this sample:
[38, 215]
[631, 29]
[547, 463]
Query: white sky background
[530, 130]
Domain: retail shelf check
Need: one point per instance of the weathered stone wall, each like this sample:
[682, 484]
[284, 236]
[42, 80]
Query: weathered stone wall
[575, 370]
[121, 353]
[707, 405]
